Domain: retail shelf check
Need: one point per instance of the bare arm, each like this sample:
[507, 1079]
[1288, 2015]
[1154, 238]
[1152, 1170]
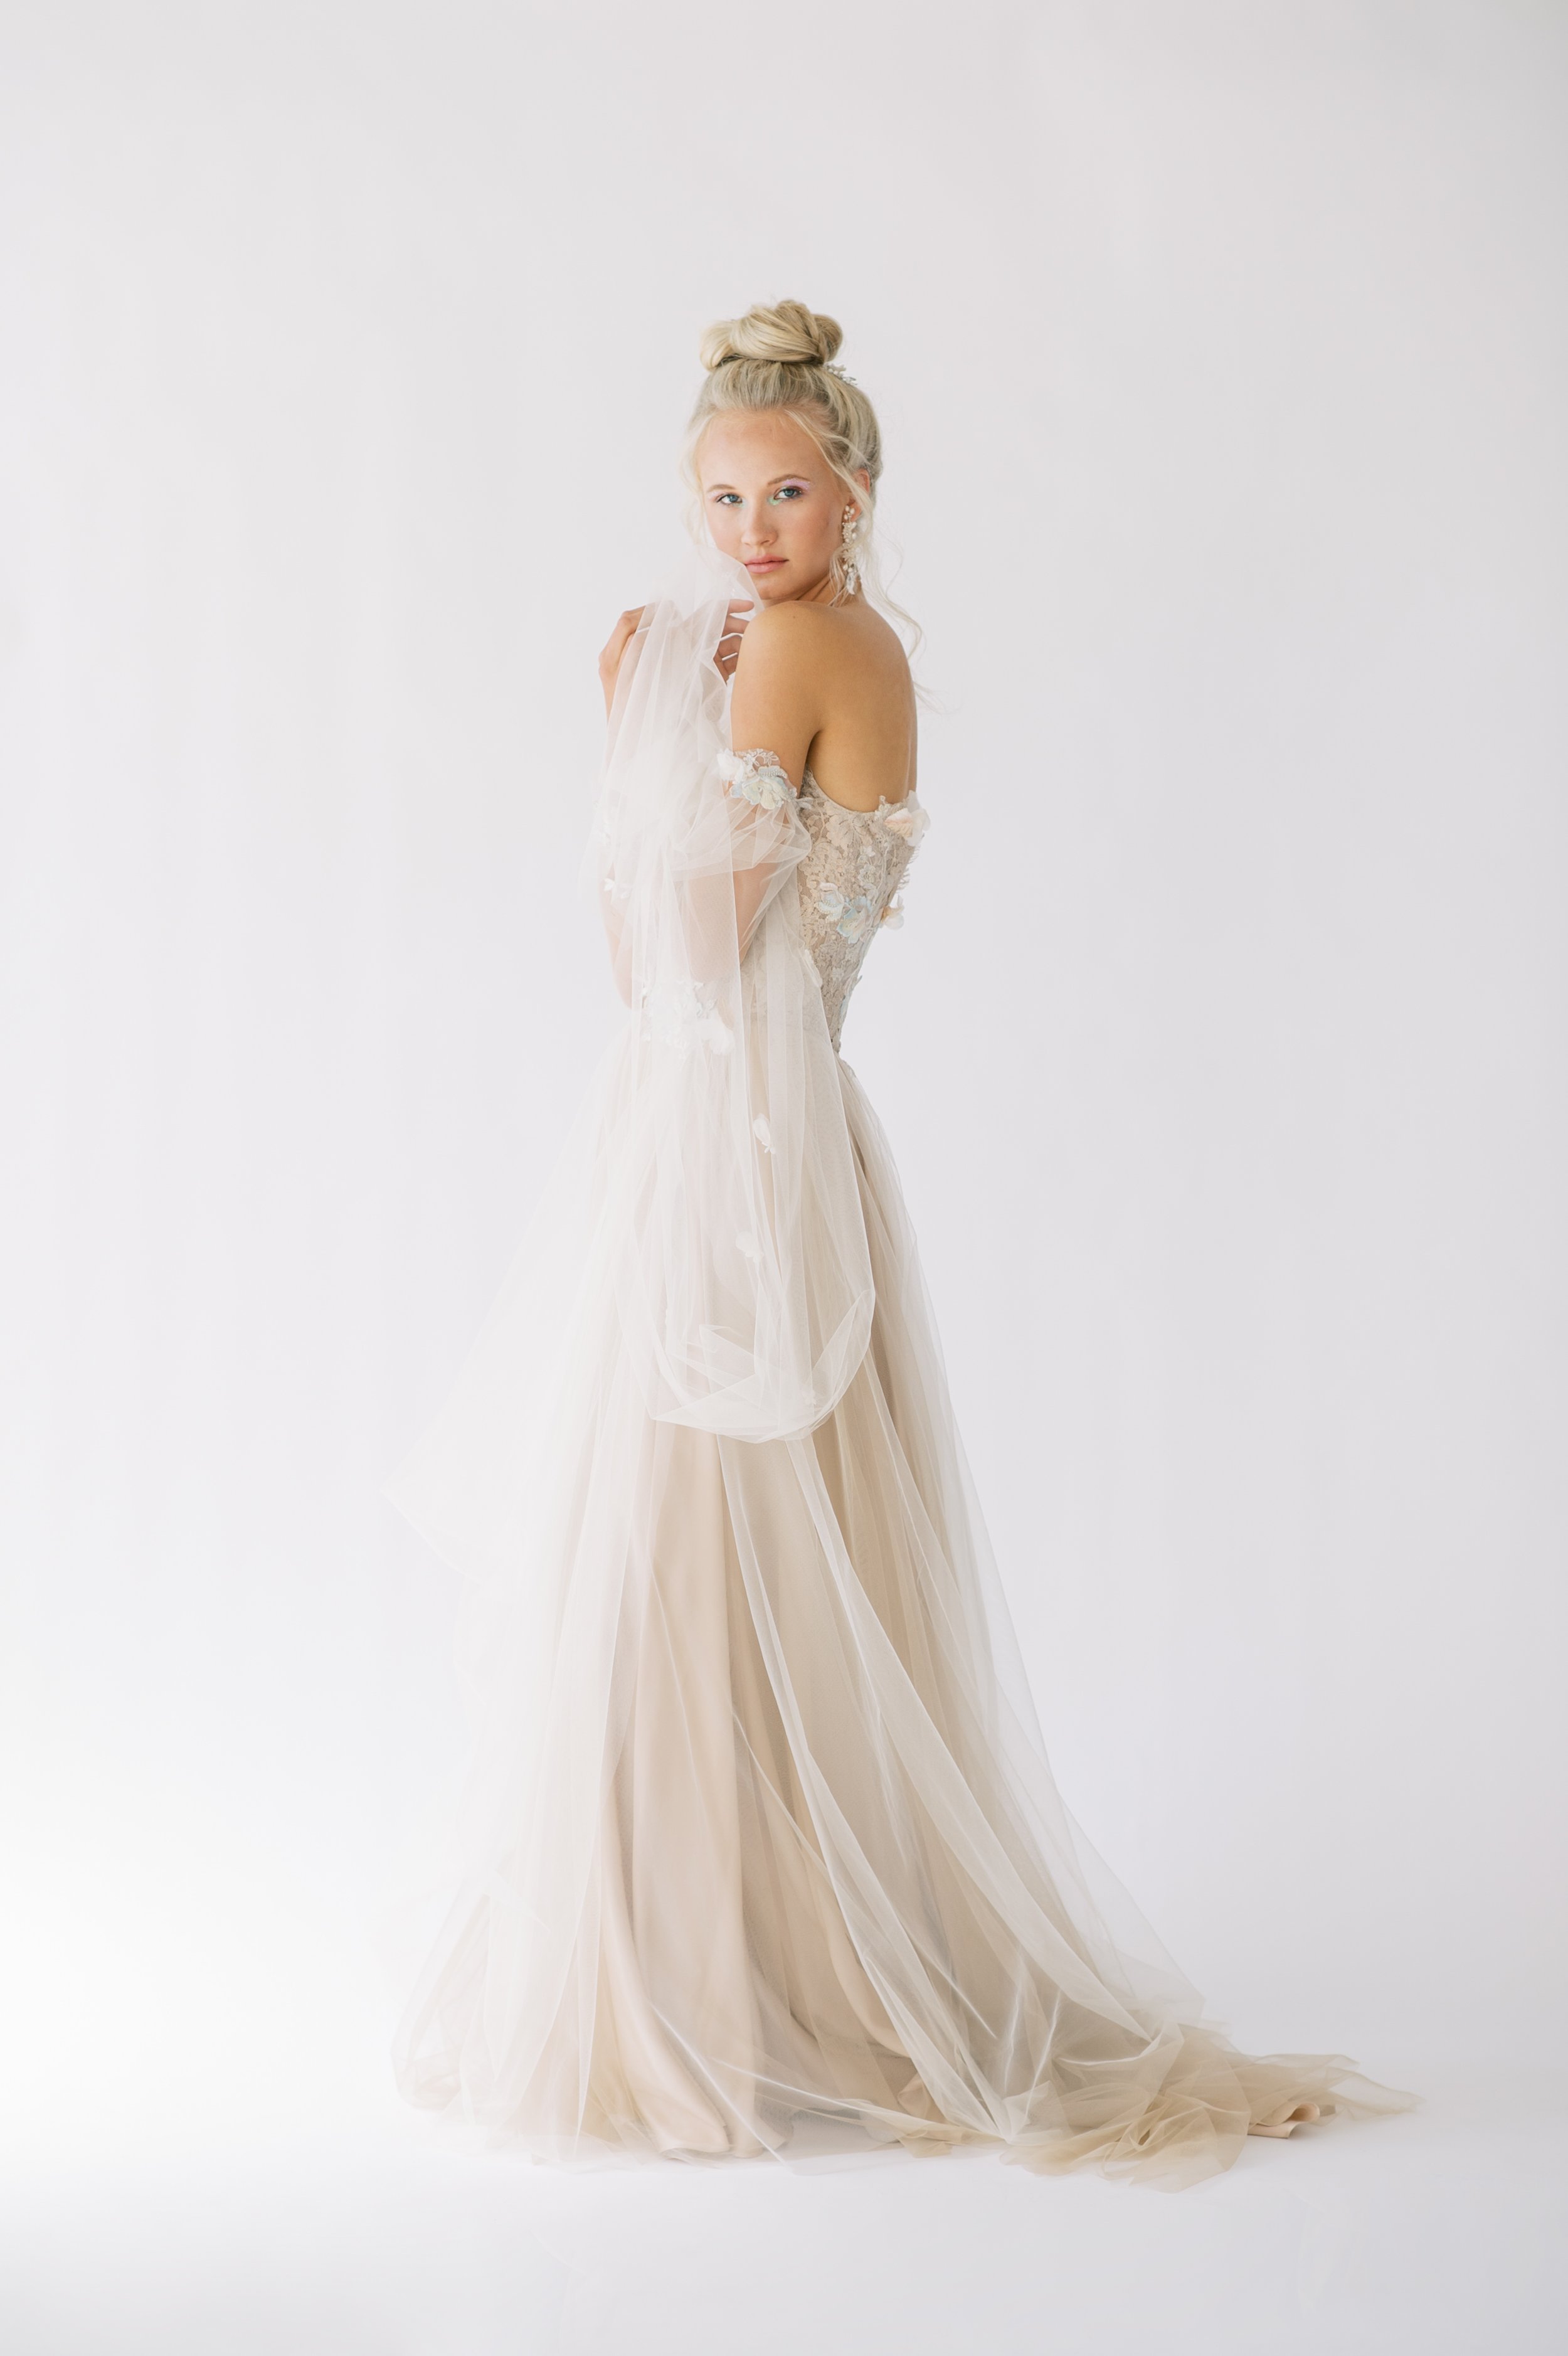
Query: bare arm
[726, 654]
[779, 683]
[619, 948]
[779, 660]
[614, 652]
[775, 707]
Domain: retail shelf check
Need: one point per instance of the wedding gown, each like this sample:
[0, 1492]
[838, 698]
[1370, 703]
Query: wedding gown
[763, 1847]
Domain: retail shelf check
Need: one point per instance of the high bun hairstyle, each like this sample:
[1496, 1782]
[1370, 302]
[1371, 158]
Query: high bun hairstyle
[786, 333]
[782, 356]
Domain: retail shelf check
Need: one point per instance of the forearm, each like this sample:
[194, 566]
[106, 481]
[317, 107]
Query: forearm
[620, 949]
[754, 891]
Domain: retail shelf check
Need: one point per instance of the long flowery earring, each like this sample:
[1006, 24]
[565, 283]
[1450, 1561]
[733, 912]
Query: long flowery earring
[850, 551]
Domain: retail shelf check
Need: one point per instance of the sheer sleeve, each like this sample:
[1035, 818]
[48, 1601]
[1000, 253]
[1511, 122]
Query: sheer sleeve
[758, 781]
[745, 1290]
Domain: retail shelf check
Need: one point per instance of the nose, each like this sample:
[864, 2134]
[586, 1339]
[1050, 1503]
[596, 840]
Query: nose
[758, 530]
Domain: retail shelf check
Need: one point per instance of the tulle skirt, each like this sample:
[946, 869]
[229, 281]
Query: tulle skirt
[763, 1848]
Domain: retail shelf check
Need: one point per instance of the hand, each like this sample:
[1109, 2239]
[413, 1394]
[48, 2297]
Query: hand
[727, 653]
[620, 639]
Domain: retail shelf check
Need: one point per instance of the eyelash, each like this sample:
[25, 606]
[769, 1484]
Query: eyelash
[795, 491]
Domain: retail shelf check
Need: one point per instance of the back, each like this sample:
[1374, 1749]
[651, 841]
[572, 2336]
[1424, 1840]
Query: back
[828, 688]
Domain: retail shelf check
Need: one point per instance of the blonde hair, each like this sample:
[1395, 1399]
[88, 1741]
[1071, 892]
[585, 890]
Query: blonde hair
[780, 356]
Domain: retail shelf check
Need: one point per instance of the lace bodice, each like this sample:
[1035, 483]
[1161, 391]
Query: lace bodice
[850, 878]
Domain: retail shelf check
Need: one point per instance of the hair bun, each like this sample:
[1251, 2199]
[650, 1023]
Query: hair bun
[784, 332]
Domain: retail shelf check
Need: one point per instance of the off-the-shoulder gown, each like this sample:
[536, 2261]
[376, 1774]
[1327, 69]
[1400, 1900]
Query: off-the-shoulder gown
[763, 1848]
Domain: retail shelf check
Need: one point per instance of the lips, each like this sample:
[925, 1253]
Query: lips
[765, 563]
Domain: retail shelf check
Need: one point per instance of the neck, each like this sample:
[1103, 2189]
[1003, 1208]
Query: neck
[820, 593]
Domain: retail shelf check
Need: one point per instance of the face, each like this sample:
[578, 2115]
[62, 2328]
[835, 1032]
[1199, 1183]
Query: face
[773, 502]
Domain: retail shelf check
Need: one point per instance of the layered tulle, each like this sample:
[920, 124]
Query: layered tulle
[762, 1843]
[741, 1282]
[765, 1835]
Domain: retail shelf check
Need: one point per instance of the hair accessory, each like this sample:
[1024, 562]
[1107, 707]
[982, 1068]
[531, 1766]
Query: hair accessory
[806, 360]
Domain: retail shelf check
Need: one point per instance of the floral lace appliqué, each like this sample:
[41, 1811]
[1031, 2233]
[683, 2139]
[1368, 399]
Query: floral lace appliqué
[680, 1016]
[758, 777]
[849, 882]
[851, 919]
[905, 818]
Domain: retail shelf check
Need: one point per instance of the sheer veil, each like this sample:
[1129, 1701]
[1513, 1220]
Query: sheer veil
[699, 1261]
[730, 1142]
[702, 1232]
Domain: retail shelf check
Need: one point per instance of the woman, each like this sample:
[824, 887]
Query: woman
[765, 1848]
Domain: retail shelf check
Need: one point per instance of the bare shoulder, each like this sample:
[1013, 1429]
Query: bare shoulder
[783, 635]
[825, 641]
[828, 686]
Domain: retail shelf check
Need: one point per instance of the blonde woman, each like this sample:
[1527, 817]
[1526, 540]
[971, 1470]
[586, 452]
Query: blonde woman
[765, 1851]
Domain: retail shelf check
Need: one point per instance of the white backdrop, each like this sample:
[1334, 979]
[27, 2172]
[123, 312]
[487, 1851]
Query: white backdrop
[1221, 351]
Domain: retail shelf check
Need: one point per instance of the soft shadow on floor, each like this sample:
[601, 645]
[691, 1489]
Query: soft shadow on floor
[370, 2236]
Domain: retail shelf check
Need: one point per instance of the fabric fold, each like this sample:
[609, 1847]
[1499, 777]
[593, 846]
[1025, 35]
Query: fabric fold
[762, 1849]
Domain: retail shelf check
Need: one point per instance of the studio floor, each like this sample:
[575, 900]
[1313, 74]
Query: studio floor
[365, 2235]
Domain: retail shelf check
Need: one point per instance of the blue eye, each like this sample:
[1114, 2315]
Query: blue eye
[791, 492]
[724, 498]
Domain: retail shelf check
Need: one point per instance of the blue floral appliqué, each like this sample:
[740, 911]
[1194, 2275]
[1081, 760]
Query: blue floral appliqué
[757, 777]
[851, 918]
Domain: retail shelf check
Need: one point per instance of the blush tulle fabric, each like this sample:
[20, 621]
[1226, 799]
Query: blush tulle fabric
[762, 1851]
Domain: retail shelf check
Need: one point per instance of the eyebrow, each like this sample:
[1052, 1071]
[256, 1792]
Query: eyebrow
[795, 476]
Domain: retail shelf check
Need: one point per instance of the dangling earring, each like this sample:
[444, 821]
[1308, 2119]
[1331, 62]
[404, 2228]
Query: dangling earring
[850, 551]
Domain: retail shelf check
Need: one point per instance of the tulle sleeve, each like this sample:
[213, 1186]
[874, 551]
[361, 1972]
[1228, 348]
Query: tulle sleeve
[742, 1277]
